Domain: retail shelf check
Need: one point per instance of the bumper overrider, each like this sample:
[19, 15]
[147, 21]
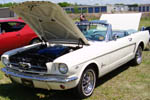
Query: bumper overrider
[41, 81]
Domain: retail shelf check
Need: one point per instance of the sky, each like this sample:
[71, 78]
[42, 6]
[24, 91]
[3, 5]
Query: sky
[88, 2]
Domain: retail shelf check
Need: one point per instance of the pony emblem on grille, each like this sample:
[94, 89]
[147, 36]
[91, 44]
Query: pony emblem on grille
[24, 65]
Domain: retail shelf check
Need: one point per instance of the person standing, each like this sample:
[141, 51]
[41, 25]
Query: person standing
[82, 17]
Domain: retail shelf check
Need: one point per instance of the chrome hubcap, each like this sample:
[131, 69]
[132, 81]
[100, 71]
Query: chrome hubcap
[88, 82]
[139, 56]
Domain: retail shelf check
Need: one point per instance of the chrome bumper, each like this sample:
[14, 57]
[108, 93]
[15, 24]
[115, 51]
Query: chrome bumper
[45, 78]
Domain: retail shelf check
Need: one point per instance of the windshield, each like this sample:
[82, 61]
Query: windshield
[96, 32]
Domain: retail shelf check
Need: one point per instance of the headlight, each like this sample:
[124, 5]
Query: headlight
[5, 61]
[63, 68]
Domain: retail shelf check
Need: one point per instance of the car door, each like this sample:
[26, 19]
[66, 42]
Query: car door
[9, 38]
[27, 35]
[125, 48]
[119, 52]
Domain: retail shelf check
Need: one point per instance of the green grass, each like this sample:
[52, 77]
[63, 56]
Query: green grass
[1, 75]
[145, 22]
[124, 83]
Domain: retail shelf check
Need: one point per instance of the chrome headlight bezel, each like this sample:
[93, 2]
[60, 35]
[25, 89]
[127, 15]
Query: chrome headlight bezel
[63, 68]
[5, 61]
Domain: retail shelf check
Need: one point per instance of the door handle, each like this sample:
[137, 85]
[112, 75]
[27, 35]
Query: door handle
[130, 39]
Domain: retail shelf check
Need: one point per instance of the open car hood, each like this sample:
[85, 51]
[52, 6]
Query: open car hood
[123, 21]
[49, 21]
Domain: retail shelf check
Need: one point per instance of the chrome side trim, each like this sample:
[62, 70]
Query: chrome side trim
[45, 78]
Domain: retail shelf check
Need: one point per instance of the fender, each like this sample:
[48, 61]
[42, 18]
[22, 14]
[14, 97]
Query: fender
[143, 47]
[143, 40]
[85, 65]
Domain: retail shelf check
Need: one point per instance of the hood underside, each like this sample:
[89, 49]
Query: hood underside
[49, 21]
[129, 21]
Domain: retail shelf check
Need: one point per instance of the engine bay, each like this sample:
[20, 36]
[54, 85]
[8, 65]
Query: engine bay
[35, 59]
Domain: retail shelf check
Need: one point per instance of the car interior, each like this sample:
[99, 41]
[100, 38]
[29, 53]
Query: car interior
[93, 32]
[11, 26]
[120, 34]
[100, 34]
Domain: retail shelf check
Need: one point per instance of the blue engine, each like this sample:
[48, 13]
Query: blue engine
[54, 51]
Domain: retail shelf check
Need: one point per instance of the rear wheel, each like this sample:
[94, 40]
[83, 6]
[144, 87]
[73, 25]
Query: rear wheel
[138, 56]
[86, 85]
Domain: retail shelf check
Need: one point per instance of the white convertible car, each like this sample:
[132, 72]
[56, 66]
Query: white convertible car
[73, 55]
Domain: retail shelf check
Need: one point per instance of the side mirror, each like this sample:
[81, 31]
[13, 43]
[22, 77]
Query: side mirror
[115, 36]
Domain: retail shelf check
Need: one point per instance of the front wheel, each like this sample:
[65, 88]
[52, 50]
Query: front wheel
[138, 56]
[86, 85]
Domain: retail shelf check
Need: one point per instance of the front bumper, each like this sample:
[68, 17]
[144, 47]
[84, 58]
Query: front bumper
[42, 80]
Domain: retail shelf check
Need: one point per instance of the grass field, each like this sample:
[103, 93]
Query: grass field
[145, 22]
[125, 83]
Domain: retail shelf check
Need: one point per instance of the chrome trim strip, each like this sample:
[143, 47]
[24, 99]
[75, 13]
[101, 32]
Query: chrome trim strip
[39, 78]
[110, 52]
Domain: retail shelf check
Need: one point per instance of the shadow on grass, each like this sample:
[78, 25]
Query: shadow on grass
[19, 92]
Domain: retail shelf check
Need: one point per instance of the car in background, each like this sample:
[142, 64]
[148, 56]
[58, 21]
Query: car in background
[15, 33]
[148, 28]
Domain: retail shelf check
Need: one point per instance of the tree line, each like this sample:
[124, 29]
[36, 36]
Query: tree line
[6, 5]
[62, 4]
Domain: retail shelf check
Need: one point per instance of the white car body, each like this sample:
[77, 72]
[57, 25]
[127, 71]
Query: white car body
[105, 56]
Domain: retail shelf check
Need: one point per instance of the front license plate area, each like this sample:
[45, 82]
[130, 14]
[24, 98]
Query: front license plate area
[27, 82]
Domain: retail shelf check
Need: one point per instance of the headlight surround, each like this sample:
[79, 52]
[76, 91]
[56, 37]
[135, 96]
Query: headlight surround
[63, 68]
[5, 61]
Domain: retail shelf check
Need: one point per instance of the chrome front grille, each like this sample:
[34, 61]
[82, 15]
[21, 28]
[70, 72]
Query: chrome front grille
[24, 67]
